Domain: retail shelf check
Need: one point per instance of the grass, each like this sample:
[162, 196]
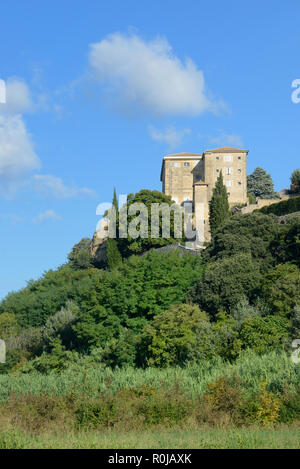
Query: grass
[281, 438]
[274, 368]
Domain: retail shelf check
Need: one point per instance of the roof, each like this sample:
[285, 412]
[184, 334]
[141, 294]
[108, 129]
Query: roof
[186, 154]
[225, 150]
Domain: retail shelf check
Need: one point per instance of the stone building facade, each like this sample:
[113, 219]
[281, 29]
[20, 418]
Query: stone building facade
[191, 177]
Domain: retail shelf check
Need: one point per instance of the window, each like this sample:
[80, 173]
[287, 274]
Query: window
[217, 157]
[228, 158]
[228, 170]
[217, 170]
[240, 183]
[228, 183]
[239, 157]
[240, 170]
[186, 164]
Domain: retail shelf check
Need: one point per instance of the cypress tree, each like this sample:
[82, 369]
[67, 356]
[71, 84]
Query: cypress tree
[114, 257]
[218, 206]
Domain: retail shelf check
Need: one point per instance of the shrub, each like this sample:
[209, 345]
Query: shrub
[60, 325]
[171, 337]
[281, 289]
[282, 208]
[264, 333]
[226, 282]
[268, 408]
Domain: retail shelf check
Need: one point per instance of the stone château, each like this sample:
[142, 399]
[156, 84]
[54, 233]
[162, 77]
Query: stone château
[191, 177]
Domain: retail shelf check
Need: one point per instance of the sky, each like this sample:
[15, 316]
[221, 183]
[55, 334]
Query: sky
[98, 91]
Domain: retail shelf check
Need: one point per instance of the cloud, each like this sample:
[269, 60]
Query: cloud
[52, 186]
[147, 76]
[170, 136]
[17, 155]
[45, 216]
[225, 139]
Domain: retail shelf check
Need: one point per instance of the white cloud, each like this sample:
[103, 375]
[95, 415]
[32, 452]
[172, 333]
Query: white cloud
[17, 155]
[147, 76]
[52, 186]
[45, 216]
[170, 136]
[226, 139]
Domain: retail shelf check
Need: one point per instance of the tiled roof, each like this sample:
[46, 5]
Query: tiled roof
[225, 150]
[186, 154]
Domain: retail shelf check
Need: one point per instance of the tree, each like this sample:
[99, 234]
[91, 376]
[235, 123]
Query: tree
[261, 185]
[114, 257]
[60, 326]
[251, 233]
[218, 205]
[141, 244]
[226, 282]
[9, 326]
[281, 289]
[262, 334]
[295, 180]
[171, 338]
[80, 257]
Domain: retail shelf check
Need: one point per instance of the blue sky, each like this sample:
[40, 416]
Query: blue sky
[98, 91]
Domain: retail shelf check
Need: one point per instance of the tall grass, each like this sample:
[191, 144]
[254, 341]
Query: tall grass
[200, 438]
[276, 369]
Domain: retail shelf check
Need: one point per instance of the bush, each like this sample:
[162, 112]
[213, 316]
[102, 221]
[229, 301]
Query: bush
[226, 282]
[281, 289]
[60, 326]
[171, 338]
[263, 334]
[282, 208]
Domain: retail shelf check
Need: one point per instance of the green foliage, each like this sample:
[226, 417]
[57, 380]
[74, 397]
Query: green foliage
[218, 205]
[295, 323]
[261, 185]
[60, 326]
[171, 338]
[250, 234]
[295, 179]
[252, 198]
[43, 298]
[114, 257]
[9, 326]
[225, 282]
[282, 208]
[290, 406]
[263, 333]
[130, 245]
[141, 288]
[286, 245]
[281, 289]
[80, 257]
[243, 310]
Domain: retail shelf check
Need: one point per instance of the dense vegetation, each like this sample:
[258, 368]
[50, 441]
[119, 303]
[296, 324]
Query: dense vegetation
[284, 207]
[159, 337]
